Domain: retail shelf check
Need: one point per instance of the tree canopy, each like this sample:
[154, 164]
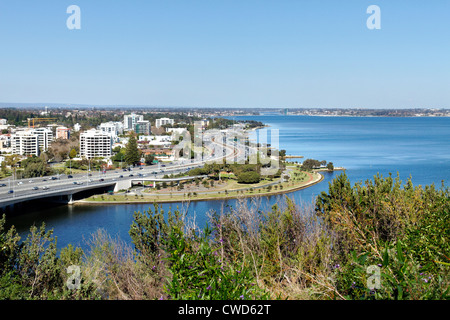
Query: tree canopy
[132, 154]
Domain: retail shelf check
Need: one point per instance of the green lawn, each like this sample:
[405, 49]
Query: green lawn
[298, 180]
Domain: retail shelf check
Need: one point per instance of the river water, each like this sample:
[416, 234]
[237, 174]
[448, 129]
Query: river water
[416, 147]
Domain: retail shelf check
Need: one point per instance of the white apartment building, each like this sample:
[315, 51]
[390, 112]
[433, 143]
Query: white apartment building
[25, 143]
[156, 141]
[130, 120]
[45, 138]
[176, 130]
[5, 143]
[114, 129]
[164, 121]
[31, 142]
[95, 143]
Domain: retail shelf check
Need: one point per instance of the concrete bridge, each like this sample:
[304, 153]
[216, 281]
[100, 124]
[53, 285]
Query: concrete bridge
[62, 194]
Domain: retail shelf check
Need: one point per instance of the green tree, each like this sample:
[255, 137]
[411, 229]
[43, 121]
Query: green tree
[149, 159]
[249, 177]
[34, 167]
[330, 166]
[73, 153]
[132, 155]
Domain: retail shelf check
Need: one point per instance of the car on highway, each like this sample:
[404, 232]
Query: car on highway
[45, 188]
[121, 176]
[2, 185]
[19, 183]
[69, 177]
[35, 188]
[154, 172]
[54, 178]
[75, 182]
[101, 180]
[131, 175]
[11, 191]
[30, 181]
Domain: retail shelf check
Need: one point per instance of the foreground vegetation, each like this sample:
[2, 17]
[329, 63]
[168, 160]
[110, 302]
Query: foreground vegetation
[328, 250]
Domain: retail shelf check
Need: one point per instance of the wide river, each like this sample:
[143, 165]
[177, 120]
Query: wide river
[416, 147]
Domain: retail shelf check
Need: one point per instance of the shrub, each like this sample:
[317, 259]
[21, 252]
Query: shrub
[198, 273]
[249, 177]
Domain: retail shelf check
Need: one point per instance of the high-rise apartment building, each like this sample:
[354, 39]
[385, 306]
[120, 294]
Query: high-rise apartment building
[95, 143]
[31, 142]
[45, 138]
[25, 143]
[130, 120]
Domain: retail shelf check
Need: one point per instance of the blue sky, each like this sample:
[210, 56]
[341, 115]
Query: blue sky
[226, 53]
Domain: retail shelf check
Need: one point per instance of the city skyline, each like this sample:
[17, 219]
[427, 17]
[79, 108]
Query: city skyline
[256, 54]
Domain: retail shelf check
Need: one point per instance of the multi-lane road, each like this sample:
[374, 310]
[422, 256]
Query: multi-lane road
[11, 189]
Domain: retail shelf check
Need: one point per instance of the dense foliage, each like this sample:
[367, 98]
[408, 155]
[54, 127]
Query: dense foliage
[402, 230]
[132, 153]
[331, 250]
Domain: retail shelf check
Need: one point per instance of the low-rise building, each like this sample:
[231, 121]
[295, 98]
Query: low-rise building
[164, 121]
[114, 129]
[160, 141]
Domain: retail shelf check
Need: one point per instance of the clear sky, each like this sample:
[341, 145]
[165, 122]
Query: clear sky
[227, 53]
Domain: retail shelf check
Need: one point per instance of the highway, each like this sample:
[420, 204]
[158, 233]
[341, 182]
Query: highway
[45, 186]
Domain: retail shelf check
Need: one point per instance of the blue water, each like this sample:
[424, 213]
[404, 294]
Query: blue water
[416, 147]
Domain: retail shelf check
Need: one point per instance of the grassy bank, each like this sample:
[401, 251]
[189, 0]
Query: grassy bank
[230, 189]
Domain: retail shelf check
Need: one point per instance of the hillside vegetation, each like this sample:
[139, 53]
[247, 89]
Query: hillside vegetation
[373, 240]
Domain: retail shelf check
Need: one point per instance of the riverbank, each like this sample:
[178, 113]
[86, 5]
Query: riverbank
[265, 190]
